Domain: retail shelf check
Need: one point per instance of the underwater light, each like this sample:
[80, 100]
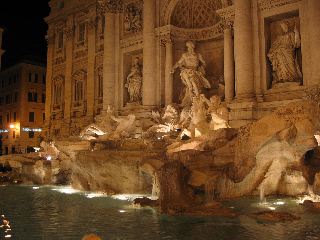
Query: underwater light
[35, 187]
[49, 158]
[122, 211]
[279, 203]
[272, 208]
[94, 195]
[66, 190]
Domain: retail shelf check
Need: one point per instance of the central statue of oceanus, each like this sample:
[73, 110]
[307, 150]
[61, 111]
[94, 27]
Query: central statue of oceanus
[192, 66]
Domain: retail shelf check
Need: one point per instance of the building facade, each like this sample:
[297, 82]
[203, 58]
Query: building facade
[22, 106]
[259, 54]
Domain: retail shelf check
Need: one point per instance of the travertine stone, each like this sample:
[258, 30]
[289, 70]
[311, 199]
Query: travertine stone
[91, 69]
[149, 86]
[243, 50]
[314, 33]
[168, 75]
[109, 61]
[50, 57]
[69, 32]
[228, 65]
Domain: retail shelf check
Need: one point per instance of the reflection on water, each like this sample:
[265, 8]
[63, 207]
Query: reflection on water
[61, 213]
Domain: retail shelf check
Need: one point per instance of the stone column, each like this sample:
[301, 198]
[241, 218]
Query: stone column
[109, 60]
[243, 44]
[91, 68]
[149, 86]
[314, 34]
[69, 32]
[50, 51]
[168, 68]
[228, 65]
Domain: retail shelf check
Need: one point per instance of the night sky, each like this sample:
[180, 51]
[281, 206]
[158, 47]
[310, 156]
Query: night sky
[25, 32]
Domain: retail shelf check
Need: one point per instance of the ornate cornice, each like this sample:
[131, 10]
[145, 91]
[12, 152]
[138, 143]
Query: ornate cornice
[129, 42]
[192, 34]
[112, 6]
[269, 4]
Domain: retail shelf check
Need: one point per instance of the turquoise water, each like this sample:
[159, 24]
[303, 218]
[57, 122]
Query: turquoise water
[47, 213]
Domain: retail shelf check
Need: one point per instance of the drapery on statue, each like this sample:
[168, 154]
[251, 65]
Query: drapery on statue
[134, 82]
[192, 74]
[282, 56]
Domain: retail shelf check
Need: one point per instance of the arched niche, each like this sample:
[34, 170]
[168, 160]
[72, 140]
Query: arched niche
[200, 22]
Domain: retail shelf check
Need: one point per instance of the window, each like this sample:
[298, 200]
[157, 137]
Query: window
[43, 98]
[8, 99]
[43, 117]
[36, 77]
[60, 40]
[30, 77]
[32, 97]
[13, 149]
[0, 119]
[81, 34]
[31, 116]
[31, 134]
[13, 134]
[14, 116]
[16, 97]
[44, 79]
[1, 101]
[8, 117]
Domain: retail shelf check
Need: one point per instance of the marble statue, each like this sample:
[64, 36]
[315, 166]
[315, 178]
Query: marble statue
[126, 127]
[219, 113]
[192, 66]
[94, 131]
[199, 123]
[134, 82]
[282, 56]
[132, 20]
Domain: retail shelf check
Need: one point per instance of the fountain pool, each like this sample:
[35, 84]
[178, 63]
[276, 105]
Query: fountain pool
[50, 212]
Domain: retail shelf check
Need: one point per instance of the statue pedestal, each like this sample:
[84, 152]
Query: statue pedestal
[284, 91]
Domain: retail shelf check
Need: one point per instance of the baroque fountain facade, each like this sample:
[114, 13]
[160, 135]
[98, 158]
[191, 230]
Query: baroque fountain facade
[189, 100]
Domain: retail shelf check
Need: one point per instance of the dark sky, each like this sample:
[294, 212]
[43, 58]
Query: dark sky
[25, 29]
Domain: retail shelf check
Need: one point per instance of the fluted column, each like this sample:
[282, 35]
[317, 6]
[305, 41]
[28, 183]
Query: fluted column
[168, 68]
[228, 65]
[91, 68]
[314, 34]
[69, 34]
[243, 44]
[149, 86]
[50, 50]
[109, 60]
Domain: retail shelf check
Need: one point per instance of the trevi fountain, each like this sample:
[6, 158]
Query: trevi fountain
[209, 128]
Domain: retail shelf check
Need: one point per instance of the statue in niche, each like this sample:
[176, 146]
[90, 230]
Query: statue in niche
[192, 66]
[132, 19]
[134, 82]
[283, 57]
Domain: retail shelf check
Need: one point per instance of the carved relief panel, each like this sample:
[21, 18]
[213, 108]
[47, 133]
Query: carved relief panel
[133, 17]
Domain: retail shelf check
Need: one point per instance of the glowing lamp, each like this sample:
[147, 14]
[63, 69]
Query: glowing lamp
[11, 125]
